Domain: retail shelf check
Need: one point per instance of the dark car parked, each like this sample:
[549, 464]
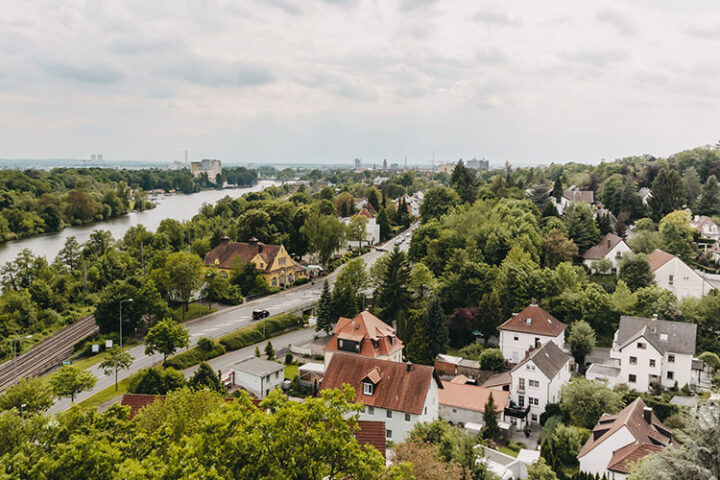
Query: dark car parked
[260, 314]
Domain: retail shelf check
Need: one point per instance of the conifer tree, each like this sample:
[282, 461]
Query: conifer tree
[269, 351]
[325, 310]
[710, 199]
[668, 193]
[490, 417]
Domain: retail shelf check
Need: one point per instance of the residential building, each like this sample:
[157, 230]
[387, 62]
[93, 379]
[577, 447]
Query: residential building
[257, 376]
[413, 202]
[530, 328]
[611, 248]
[272, 261]
[364, 335]
[705, 227]
[506, 467]
[462, 403]
[574, 194]
[372, 432]
[210, 167]
[357, 164]
[377, 181]
[620, 439]
[400, 394]
[452, 366]
[478, 164]
[372, 229]
[673, 274]
[536, 381]
[499, 381]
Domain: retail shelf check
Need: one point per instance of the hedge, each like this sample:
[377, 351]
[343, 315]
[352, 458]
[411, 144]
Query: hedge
[195, 355]
[254, 333]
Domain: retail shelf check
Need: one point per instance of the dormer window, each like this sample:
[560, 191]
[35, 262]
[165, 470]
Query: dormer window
[368, 388]
[528, 321]
[375, 344]
[663, 337]
[392, 340]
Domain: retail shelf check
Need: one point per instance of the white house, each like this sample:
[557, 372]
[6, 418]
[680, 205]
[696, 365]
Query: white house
[372, 229]
[463, 403]
[257, 376]
[620, 439]
[705, 226]
[673, 274]
[400, 394]
[611, 248]
[648, 350]
[528, 329]
[536, 381]
[365, 335]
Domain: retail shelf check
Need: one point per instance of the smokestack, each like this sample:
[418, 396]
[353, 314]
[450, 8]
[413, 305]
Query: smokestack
[408, 365]
[647, 414]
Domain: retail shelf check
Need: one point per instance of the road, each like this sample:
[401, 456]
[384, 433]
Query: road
[225, 321]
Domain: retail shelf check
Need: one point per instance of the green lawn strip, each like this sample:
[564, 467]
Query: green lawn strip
[195, 310]
[291, 371]
[105, 395]
[84, 363]
[508, 451]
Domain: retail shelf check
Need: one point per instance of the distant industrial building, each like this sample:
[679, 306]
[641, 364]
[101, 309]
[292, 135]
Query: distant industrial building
[211, 167]
[358, 164]
[478, 164]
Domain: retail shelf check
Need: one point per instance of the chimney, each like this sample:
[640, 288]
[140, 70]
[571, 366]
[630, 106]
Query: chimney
[224, 239]
[609, 242]
[408, 366]
[533, 302]
[253, 241]
[653, 323]
[647, 414]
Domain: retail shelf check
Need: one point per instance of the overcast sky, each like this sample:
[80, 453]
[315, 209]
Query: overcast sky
[327, 81]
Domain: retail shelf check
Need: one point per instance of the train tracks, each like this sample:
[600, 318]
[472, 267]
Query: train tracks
[47, 354]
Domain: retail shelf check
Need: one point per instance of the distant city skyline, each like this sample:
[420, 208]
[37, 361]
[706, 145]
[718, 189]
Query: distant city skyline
[327, 81]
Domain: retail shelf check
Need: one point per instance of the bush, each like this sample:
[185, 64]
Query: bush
[195, 355]
[492, 359]
[288, 358]
[471, 351]
[254, 333]
[206, 344]
[301, 281]
[156, 381]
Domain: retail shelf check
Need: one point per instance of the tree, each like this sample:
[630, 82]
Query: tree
[247, 277]
[557, 191]
[71, 254]
[602, 266]
[490, 417]
[269, 351]
[255, 223]
[166, 337]
[587, 400]
[384, 224]
[492, 359]
[156, 381]
[677, 234]
[430, 336]
[29, 395]
[438, 202]
[568, 440]
[668, 193]
[184, 275]
[424, 462]
[489, 315]
[711, 359]
[581, 341]
[326, 317]
[463, 181]
[205, 377]
[636, 272]
[581, 225]
[257, 352]
[116, 360]
[357, 228]
[147, 302]
[693, 187]
[325, 235]
[557, 248]
[393, 297]
[710, 198]
[68, 381]
[540, 470]
[217, 288]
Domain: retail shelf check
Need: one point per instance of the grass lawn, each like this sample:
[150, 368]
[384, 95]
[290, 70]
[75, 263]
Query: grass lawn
[195, 310]
[508, 451]
[87, 362]
[291, 371]
[105, 395]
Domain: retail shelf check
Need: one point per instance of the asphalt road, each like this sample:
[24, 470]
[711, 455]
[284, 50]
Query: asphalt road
[228, 320]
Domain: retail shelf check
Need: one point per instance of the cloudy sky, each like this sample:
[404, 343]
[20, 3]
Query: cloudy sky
[327, 81]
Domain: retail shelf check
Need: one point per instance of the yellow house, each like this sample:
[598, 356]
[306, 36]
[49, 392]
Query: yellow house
[272, 261]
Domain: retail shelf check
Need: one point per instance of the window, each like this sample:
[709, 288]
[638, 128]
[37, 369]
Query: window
[407, 417]
[454, 410]
[274, 282]
[632, 378]
[277, 374]
[516, 338]
[633, 360]
[534, 417]
[521, 400]
[534, 383]
[340, 343]
[368, 388]
[521, 384]
[671, 375]
[671, 358]
[670, 279]
[529, 366]
[652, 362]
[388, 414]
[533, 401]
[425, 410]
[663, 337]
[388, 433]
[282, 261]
[262, 265]
[392, 340]
[371, 410]
[641, 345]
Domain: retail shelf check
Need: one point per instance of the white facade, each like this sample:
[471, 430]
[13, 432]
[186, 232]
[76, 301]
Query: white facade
[613, 256]
[259, 385]
[372, 233]
[530, 386]
[706, 227]
[681, 280]
[514, 345]
[457, 415]
[399, 424]
[597, 459]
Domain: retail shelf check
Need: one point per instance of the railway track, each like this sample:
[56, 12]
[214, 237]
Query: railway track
[47, 354]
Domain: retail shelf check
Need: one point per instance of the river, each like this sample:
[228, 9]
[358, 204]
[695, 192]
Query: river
[176, 206]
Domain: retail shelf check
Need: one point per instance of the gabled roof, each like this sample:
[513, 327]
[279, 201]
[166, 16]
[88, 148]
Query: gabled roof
[471, 397]
[257, 366]
[608, 242]
[138, 401]
[398, 389]
[631, 417]
[658, 258]
[548, 358]
[498, 380]
[372, 432]
[681, 336]
[534, 320]
[632, 452]
[225, 253]
[365, 328]
[701, 220]
[584, 196]
[366, 212]
[645, 333]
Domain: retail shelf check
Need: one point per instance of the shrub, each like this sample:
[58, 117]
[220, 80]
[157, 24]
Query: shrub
[288, 358]
[492, 359]
[195, 355]
[568, 442]
[206, 344]
[156, 381]
[256, 333]
[471, 351]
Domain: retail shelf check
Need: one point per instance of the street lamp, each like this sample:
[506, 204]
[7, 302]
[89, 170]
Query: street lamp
[121, 302]
[22, 410]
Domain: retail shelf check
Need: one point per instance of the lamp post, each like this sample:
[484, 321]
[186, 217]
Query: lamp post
[121, 302]
[22, 410]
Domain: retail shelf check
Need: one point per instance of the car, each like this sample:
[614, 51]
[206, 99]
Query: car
[380, 248]
[399, 241]
[260, 314]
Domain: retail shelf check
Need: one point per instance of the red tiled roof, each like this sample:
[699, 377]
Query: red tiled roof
[397, 389]
[365, 212]
[541, 322]
[226, 252]
[471, 397]
[632, 452]
[460, 379]
[138, 401]
[608, 242]
[372, 432]
[658, 258]
[365, 328]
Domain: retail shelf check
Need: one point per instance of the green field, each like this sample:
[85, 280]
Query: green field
[195, 310]
[291, 371]
[106, 395]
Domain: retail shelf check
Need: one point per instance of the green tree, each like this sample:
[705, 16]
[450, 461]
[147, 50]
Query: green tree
[217, 288]
[255, 223]
[489, 315]
[325, 310]
[205, 377]
[438, 202]
[463, 181]
[325, 235]
[184, 275]
[156, 381]
[492, 359]
[166, 337]
[114, 361]
[393, 298]
[568, 440]
[587, 400]
[668, 193]
[257, 352]
[581, 225]
[247, 277]
[557, 248]
[269, 351]
[29, 395]
[68, 381]
[384, 224]
[710, 198]
[490, 417]
[581, 341]
[557, 191]
[635, 271]
[540, 470]
[357, 228]
[693, 187]
[677, 234]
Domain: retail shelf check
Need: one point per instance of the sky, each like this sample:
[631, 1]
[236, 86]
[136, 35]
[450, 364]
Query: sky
[326, 81]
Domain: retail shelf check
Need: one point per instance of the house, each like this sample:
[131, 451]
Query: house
[372, 229]
[207, 166]
[506, 467]
[364, 335]
[377, 181]
[611, 248]
[620, 439]
[412, 202]
[705, 227]
[272, 261]
[499, 381]
[536, 381]
[462, 403]
[400, 394]
[574, 194]
[372, 432]
[451, 366]
[673, 274]
[310, 374]
[257, 376]
[528, 329]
